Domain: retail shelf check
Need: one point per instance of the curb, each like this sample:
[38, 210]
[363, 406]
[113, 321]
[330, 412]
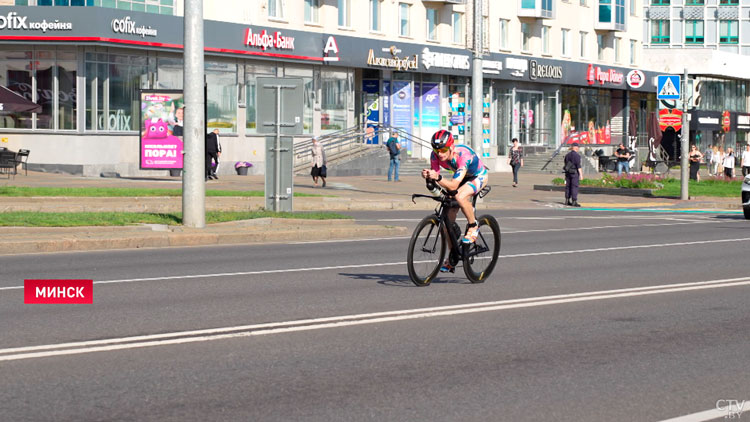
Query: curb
[599, 191]
[103, 238]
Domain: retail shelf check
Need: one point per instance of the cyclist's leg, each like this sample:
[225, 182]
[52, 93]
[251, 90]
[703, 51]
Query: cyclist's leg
[464, 198]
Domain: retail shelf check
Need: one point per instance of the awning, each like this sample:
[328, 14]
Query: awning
[14, 103]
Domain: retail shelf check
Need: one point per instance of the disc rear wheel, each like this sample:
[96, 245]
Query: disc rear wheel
[481, 256]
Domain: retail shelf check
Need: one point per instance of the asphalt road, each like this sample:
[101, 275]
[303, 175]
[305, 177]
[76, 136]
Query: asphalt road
[590, 316]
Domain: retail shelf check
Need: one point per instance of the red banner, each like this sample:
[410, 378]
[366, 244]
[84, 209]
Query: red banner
[58, 291]
[670, 117]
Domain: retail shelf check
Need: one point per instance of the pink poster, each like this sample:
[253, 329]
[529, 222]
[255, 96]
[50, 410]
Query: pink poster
[161, 130]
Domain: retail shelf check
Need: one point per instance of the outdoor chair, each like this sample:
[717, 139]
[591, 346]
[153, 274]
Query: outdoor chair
[8, 163]
[22, 157]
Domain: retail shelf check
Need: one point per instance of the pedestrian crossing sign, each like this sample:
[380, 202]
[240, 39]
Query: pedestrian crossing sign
[668, 87]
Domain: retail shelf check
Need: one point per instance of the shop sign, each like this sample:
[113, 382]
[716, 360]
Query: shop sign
[393, 62]
[743, 122]
[519, 66]
[127, 26]
[596, 74]
[331, 50]
[444, 60]
[492, 66]
[725, 121]
[635, 78]
[670, 117]
[704, 120]
[544, 71]
[13, 21]
[265, 40]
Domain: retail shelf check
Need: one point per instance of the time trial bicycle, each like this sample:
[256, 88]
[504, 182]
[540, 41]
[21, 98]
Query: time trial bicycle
[432, 234]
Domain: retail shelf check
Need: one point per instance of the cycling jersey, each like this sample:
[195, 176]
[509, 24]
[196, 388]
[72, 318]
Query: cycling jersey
[465, 163]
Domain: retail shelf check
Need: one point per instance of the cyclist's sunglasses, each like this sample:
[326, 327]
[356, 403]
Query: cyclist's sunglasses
[443, 150]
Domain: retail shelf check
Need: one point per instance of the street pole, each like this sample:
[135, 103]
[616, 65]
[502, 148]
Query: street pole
[684, 141]
[477, 101]
[193, 178]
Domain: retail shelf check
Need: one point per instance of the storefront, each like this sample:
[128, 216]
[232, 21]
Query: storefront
[721, 129]
[545, 103]
[86, 66]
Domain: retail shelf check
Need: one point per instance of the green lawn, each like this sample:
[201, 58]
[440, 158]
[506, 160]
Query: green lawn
[710, 187]
[123, 192]
[713, 187]
[74, 219]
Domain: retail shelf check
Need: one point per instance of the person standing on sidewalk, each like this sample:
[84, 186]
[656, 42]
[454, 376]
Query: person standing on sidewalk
[573, 175]
[394, 150]
[212, 153]
[746, 161]
[729, 164]
[319, 162]
[695, 157]
[515, 159]
[623, 160]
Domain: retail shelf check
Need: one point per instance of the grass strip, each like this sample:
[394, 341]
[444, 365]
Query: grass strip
[124, 192]
[76, 219]
[711, 187]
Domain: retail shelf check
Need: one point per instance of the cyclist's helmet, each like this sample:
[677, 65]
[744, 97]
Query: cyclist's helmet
[442, 139]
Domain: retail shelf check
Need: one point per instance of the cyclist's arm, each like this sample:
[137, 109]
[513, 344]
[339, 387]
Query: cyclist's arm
[455, 181]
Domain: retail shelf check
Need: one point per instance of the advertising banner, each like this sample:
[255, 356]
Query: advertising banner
[161, 129]
[371, 89]
[402, 97]
[430, 105]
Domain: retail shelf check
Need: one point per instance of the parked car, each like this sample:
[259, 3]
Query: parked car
[746, 197]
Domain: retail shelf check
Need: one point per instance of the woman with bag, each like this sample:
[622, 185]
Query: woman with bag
[319, 162]
[515, 159]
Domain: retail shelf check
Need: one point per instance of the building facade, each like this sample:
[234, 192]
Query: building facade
[548, 72]
[711, 40]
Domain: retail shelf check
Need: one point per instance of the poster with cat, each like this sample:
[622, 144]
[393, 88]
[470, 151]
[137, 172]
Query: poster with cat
[161, 129]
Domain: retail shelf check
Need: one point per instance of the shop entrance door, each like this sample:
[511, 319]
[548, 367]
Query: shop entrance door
[530, 117]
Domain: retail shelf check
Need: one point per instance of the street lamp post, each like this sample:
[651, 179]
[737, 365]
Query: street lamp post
[193, 182]
[684, 140]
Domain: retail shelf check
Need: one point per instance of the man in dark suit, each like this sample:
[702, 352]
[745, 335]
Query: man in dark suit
[213, 151]
[573, 175]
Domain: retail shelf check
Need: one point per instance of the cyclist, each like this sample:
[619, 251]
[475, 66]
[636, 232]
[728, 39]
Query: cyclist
[469, 177]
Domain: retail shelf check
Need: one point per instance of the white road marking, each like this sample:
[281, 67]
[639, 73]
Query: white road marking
[384, 264]
[181, 337]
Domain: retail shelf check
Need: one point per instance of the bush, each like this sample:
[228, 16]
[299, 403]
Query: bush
[629, 181]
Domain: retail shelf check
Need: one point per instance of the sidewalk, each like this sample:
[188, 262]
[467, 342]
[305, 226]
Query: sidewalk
[358, 193]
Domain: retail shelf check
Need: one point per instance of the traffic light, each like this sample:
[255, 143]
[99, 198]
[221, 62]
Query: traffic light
[695, 98]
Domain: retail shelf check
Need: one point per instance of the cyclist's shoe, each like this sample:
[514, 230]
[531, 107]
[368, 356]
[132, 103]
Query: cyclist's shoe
[447, 267]
[471, 234]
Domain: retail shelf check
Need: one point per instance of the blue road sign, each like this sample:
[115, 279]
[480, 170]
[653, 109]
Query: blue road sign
[668, 87]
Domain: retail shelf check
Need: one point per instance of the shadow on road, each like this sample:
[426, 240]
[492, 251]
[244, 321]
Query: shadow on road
[398, 280]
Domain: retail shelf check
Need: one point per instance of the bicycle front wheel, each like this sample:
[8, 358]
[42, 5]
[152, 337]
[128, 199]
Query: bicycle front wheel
[481, 256]
[426, 251]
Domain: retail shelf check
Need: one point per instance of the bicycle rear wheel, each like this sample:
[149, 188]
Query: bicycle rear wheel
[481, 256]
[426, 251]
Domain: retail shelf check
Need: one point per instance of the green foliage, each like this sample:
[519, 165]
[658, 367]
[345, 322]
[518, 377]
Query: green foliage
[669, 187]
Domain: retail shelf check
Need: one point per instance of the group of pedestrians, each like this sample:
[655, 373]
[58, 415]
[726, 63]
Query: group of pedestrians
[718, 161]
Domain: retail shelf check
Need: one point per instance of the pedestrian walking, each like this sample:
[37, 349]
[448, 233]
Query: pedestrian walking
[718, 157]
[708, 159]
[319, 169]
[394, 151]
[746, 161]
[573, 175]
[695, 157]
[623, 160]
[729, 163]
[213, 150]
[515, 159]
